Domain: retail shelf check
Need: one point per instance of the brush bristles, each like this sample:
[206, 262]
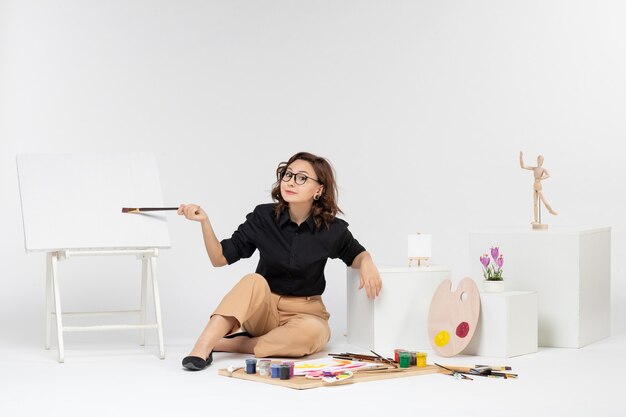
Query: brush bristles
[129, 210]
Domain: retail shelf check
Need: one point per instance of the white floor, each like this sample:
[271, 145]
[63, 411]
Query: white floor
[117, 378]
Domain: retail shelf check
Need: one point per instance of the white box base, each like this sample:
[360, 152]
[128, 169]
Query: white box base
[569, 269]
[398, 317]
[507, 326]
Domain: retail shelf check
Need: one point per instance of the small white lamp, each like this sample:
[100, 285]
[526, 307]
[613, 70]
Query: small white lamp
[419, 248]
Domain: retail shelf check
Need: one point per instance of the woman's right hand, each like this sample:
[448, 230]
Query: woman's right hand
[192, 212]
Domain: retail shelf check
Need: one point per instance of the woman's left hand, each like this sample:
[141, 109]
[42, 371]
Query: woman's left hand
[369, 277]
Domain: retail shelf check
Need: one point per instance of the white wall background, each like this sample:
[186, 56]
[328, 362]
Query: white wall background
[422, 106]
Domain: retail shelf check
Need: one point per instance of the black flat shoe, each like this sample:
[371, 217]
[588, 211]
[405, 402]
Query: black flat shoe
[195, 363]
[232, 336]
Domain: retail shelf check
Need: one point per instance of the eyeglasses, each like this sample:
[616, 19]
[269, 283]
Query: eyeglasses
[299, 178]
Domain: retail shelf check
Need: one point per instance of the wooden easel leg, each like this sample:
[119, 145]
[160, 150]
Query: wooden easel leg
[57, 305]
[48, 297]
[157, 305]
[419, 261]
[144, 290]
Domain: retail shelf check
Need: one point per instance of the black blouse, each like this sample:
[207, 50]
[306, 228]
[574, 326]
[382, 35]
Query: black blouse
[292, 257]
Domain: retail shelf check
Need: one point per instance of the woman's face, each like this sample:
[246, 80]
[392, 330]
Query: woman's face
[294, 192]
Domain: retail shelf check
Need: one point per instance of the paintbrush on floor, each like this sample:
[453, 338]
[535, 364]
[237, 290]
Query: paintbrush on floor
[481, 370]
[142, 209]
[453, 373]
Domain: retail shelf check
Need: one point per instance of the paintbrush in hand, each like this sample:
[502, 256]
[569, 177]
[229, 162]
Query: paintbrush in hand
[142, 209]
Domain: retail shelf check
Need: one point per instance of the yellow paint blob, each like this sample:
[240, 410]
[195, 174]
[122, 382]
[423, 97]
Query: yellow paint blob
[442, 338]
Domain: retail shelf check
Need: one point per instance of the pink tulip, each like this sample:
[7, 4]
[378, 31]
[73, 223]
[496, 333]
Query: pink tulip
[484, 260]
[494, 252]
[500, 261]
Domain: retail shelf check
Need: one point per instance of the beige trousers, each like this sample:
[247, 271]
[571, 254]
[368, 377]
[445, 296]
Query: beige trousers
[286, 326]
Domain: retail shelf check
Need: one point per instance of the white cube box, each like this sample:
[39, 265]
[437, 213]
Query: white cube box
[507, 326]
[398, 317]
[569, 269]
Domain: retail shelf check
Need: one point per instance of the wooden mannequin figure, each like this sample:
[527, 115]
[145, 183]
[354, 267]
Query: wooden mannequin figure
[540, 173]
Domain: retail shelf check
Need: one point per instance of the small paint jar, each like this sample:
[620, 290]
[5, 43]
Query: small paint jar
[292, 367]
[251, 366]
[405, 359]
[264, 367]
[413, 358]
[284, 371]
[395, 355]
[275, 370]
[421, 359]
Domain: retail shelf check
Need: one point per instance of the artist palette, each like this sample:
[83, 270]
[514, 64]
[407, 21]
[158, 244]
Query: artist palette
[453, 316]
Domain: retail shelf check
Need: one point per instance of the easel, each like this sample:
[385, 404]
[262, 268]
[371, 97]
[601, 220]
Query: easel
[419, 260]
[418, 246]
[87, 221]
[147, 257]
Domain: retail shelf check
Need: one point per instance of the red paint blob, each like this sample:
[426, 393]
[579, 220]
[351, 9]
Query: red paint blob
[462, 329]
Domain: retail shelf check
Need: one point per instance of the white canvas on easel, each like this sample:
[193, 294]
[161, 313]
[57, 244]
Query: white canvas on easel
[74, 201]
[71, 206]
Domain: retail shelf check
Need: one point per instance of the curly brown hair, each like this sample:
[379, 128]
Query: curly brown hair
[325, 209]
